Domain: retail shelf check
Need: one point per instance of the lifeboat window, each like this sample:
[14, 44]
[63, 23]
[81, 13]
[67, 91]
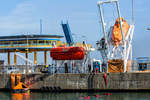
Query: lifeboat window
[47, 42]
[50, 42]
[41, 42]
[35, 42]
[53, 43]
[30, 43]
[11, 43]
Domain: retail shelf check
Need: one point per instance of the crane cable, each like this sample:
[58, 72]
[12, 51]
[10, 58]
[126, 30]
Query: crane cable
[113, 10]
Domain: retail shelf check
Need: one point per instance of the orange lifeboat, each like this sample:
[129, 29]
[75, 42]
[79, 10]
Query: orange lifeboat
[116, 33]
[21, 88]
[67, 53]
[17, 86]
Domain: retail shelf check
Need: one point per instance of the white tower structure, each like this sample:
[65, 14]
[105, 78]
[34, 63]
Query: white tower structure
[105, 46]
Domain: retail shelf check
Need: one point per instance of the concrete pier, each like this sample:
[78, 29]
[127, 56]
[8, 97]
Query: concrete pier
[115, 81]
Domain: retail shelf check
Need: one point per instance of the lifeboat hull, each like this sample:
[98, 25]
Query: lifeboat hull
[67, 53]
[116, 33]
[20, 88]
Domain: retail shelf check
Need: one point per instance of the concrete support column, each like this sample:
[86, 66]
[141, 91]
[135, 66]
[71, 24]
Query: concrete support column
[45, 57]
[8, 58]
[35, 57]
[26, 58]
[15, 59]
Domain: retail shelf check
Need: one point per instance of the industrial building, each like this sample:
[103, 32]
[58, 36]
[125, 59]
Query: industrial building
[28, 44]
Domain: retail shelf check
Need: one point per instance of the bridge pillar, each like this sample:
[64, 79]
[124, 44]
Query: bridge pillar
[45, 57]
[8, 58]
[15, 58]
[35, 57]
[26, 58]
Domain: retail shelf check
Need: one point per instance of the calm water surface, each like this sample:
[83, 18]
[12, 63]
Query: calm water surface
[76, 96]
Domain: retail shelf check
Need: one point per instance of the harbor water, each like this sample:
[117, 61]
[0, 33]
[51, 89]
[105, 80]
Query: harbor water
[77, 96]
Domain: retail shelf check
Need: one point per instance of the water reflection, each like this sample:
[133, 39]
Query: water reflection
[56, 96]
[75, 96]
[20, 96]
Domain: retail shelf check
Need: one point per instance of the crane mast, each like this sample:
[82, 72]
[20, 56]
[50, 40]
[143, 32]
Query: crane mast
[115, 52]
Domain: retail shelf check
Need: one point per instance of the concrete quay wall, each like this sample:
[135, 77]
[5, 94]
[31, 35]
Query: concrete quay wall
[115, 81]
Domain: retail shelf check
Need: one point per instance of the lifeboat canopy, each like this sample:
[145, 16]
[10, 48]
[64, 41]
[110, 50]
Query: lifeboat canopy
[116, 32]
[67, 53]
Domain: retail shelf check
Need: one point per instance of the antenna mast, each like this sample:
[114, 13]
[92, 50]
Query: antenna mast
[132, 11]
[40, 26]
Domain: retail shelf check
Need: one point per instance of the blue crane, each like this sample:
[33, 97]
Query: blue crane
[67, 33]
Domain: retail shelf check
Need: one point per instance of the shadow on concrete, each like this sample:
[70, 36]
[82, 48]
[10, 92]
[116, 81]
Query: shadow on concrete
[91, 81]
[31, 79]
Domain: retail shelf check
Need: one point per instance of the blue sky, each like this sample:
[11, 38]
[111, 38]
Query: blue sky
[22, 17]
